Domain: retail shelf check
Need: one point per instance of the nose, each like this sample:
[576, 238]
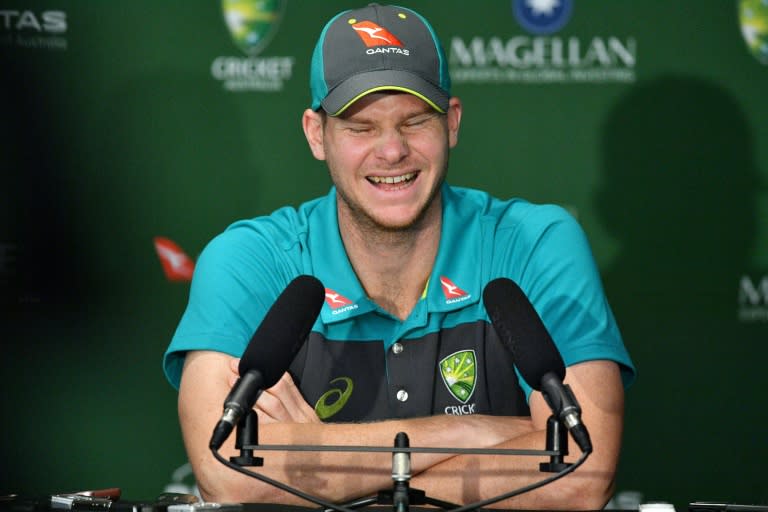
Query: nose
[392, 146]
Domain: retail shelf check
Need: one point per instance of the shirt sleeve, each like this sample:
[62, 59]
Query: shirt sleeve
[550, 259]
[237, 278]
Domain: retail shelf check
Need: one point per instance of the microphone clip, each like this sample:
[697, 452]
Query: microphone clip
[557, 441]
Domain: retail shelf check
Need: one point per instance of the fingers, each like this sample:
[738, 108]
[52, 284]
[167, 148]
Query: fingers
[284, 402]
[234, 367]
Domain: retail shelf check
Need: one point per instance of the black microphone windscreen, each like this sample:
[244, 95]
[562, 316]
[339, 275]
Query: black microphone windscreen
[522, 332]
[283, 330]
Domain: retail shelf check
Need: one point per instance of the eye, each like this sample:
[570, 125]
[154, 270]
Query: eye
[357, 129]
[419, 120]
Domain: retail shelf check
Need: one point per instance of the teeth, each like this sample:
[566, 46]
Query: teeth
[392, 179]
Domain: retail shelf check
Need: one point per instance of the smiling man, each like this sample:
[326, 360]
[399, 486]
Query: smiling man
[403, 342]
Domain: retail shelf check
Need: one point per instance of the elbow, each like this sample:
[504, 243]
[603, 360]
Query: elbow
[218, 484]
[591, 493]
[214, 488]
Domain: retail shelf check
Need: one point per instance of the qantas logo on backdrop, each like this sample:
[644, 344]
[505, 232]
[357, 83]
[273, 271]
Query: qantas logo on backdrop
[452, 292]
[177, 266]
[337, 302]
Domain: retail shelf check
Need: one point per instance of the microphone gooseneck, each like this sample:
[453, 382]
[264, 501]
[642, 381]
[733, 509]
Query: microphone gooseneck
[273, 346]
[401, 473]
[535, 355]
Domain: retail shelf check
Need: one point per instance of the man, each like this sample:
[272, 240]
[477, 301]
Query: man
[403, 342]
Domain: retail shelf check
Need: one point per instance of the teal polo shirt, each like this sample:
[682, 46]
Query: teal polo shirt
[360, 363]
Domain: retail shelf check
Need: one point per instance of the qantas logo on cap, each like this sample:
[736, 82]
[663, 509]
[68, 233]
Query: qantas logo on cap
[452, 292]
[374, 35]
[338, 302]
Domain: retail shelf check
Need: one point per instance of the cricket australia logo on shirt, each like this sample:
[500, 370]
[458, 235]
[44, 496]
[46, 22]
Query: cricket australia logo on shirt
[458, 371]
[452, 292]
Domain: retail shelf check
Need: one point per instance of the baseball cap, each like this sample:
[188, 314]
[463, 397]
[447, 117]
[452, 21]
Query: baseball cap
[377, 48]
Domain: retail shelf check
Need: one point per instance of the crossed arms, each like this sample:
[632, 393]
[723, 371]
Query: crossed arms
[286, 418]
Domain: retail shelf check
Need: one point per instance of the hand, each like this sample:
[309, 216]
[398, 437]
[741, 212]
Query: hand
[282, 403]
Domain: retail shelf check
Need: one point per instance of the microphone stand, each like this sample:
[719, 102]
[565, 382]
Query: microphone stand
[402, 495]
[247, 436]
[557, 441]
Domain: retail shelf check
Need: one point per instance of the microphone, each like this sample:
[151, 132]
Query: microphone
[273, 346]
[523, 333]
[401, 473]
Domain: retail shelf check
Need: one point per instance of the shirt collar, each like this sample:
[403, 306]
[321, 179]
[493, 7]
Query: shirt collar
[456, 278]
[344, 295]
[455, 281]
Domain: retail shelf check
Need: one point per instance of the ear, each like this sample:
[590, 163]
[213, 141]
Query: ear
[312, 123]
[454, 120]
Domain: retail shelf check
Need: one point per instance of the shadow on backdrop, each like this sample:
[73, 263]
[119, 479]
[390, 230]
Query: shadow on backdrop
[150, 153]
[679, 190]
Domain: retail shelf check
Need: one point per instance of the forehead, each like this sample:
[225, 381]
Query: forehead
[391, 104]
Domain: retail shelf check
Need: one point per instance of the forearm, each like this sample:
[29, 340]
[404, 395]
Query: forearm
[469, 478]
[339, 476]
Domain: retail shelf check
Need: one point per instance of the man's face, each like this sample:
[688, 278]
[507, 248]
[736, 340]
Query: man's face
[388, 155]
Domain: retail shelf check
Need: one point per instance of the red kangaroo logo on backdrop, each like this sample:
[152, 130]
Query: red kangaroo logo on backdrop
[374, 35]
[176, 264]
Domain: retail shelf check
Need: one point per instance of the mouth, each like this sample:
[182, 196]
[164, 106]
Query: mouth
[393, 182]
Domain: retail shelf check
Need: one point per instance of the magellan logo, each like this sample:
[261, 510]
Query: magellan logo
[753, 18]
[753, 299]
[540, 56]
[334, 400]
[452, 292]
[542, 16]
[337, 302]
[458, 372]
[252, 24]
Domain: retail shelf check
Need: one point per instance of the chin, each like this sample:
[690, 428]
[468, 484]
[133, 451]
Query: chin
[397, 222]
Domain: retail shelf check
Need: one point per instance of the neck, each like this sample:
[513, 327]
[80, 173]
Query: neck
[393, 265]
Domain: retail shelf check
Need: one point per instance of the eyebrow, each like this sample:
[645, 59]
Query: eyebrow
[363, 119]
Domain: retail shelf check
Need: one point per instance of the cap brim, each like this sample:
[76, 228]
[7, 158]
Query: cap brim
[357, 86]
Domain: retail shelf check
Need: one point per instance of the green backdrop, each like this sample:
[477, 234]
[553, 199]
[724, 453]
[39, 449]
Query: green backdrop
[123, 121]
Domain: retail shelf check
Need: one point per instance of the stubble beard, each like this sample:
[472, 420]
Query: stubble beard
[371, 229]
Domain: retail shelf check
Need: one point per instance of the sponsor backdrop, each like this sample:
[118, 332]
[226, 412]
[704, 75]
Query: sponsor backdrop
[134, 131]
